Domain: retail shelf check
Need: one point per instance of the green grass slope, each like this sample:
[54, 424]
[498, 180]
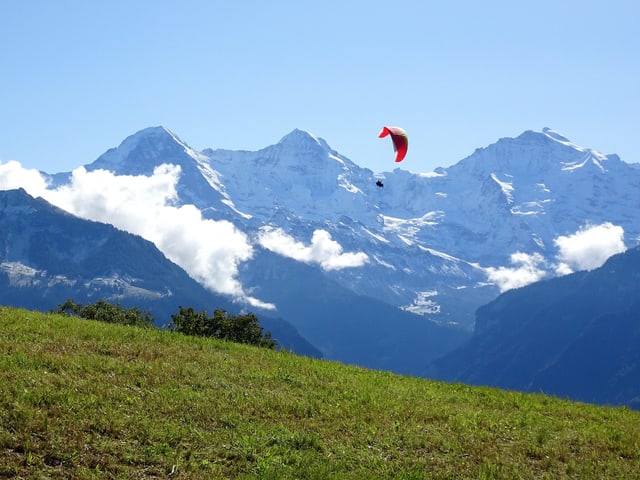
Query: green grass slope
[82, 399]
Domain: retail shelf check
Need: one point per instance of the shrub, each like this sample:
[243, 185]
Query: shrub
[236, 328]
[106, 312]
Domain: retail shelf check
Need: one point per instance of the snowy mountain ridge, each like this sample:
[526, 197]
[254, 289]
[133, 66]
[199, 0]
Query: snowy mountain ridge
[300, 172]
[439, 244]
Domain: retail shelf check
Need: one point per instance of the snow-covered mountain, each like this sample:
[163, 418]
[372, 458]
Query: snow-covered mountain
[436, 244]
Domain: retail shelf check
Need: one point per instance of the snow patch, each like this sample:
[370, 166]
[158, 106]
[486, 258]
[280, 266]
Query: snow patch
[379, 261]
[213, 179]
[423, 303]
[197, 156]
[378, 237]
[409, 227]
[124, 288]
[538, 241]
[348, 186]
[528, 208]
[407, 242]
[555, 136]
[442, 255]
[433, 174]
[336, 158]
[590, 157]
[506, 187]
[20, 275]
[61, 280]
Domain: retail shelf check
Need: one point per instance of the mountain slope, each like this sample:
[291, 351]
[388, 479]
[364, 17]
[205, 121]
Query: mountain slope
[48, 256]
[601, 366]
[351, 328]
[85, 399]
[576, 336]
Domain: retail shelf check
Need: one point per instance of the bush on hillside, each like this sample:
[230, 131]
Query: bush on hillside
[107, 312]
[236, 328]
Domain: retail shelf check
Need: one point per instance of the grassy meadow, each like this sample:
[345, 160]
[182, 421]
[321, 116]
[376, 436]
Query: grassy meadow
[87, 400]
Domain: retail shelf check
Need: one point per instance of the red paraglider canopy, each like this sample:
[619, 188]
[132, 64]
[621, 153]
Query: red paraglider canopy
[399, 138]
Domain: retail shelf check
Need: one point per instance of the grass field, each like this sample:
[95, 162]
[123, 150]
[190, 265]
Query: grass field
[82, 399]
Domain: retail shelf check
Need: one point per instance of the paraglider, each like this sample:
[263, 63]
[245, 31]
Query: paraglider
[399, 139]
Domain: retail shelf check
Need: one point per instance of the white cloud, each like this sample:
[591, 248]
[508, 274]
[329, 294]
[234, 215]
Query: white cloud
[586, 249]
[210, 251]
[589, 247]
[323, 250]
[527, 268]
[13, 175]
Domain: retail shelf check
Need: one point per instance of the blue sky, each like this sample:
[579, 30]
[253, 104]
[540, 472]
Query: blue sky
[77, 77]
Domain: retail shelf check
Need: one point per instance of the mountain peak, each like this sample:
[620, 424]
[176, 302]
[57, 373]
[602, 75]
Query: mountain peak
[18, 201]
[535, 152]
[154, 138]
[298, 136]
[555, 135]
[158, 130]
[142, 151]
[547, 136]
[18, 197]
[301, 139]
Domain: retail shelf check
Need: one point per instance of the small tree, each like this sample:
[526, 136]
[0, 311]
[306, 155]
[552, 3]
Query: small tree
[245, 329]
[236, 328]
[190, 322]
[106, 312]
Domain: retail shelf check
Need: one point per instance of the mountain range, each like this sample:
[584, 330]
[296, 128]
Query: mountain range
[385, 277]
[429, 243]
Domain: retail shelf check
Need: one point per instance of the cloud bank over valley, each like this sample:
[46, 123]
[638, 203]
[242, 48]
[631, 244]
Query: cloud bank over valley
[209, 250]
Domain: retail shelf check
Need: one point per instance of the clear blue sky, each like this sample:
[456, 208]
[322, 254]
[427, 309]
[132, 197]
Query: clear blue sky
[78, 76]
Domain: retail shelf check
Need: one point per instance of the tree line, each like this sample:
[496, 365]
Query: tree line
[243, 328]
